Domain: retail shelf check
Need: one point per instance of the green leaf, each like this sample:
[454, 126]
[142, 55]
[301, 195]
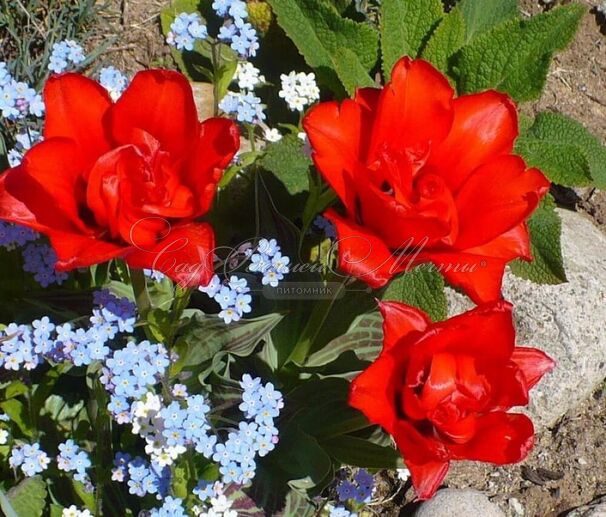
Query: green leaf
[364, 338]
[514, 56]
[545, 229]
[208, 337]
[318, 31]
[482, 15]
[362, 453]
[14, 389]
[351, 72]
[6, 506]
[28, 498]
[564, 150]
[287, 161]
[17, 412]
[405, 26]
[297, 504]
[447, 39]
[423, 287]
[335, 418]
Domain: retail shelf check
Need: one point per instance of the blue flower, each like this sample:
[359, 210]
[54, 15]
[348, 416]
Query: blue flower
[185, 30]
[63, 53]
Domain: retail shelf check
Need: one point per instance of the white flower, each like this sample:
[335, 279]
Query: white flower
[272, 135]
[3, 436]
[248, 76]
[299, 90]
[73, 511]
[403, 474]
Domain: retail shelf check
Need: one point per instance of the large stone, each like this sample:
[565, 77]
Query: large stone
[567, 321]
[452, 502]
[595, 509]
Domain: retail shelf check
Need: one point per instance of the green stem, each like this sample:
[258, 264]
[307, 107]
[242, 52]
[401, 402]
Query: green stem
[216, 61]
[139, 284]
[312, 330]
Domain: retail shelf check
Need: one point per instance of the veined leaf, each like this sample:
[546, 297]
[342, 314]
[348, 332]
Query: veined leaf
[405, 26]
[545, 229]
[514, 56]
[564, 150]
[318, 31]
[446, 40]
[482, 15]
[362, 453]
[287, 161]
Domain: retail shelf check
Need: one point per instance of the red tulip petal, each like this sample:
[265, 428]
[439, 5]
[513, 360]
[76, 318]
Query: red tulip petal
[533, 362]
[161, 103]
[362, 254]
[426, 458]
[485, 332]
[441, 381]
[508, 386]
[497, 197]
[368, 98]
[479, 277]
[14, 210]
[511, 245]
[372, 393]
[46, 187]
[338, 134]
[500, 438]
[400, 320]
[75, 107]
[218, 143]
[427, 477]
[414, 111]
[75, 250]
[185, 254]
[485, 125]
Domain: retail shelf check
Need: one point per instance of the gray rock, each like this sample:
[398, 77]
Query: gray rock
[451, 502]
[595, 509]
[567, 321]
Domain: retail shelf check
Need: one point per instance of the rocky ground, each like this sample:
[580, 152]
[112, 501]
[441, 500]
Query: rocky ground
[567, 470]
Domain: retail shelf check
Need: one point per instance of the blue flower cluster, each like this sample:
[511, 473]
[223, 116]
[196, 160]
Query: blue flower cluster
[325, 226]
[185, 30]
[17, 99]
[129, 373]
[172, 507]
[39, 259]
[141, 476]
[114, 81]
[360, 490]
[269, 261]
[233, 297]
[31, 458]
[72, 458]
[246, 107]
[24, 142]
[340, 511]
[240, 34]
[13, 235]
[26, 346]
[63, 54]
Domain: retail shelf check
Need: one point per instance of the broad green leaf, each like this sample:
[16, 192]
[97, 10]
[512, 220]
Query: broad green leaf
[28, 498]
[364, 338]
[358, 452]
[564, 150]
[423, 287]
[14, 389]
[17, 412]
[206, 337]
[351, 72]
[242, 503]
[514, 56]
[446, 40]
[482, 15]
[318, 31]
[302, 458]
[287, 161]
[545, 231]
[297, 504]
[6, 507]
[335, 418]
[405, 26]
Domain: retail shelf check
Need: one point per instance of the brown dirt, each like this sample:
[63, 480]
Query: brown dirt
[135, 25]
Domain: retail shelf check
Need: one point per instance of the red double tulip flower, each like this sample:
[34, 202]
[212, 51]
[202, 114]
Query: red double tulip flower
[126, 179]
[442, 390]
[426, 178]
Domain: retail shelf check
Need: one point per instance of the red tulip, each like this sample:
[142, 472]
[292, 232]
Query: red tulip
[442, 390]
[123, 180]
[426, 178]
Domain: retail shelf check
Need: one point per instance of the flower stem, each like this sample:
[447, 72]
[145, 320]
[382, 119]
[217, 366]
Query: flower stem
[139, 284]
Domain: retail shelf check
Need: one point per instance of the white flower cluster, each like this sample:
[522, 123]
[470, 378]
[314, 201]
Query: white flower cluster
[299, 90]
[248, 76]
